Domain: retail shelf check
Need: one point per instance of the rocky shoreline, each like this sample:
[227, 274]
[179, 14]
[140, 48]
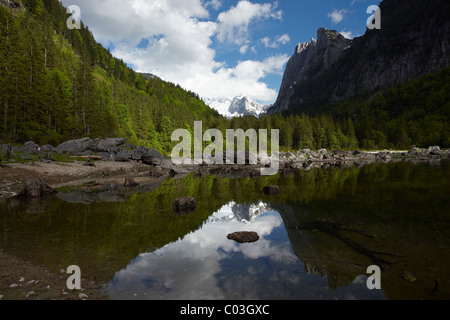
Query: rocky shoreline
[116, 164]
[77, 161]
[119, 150]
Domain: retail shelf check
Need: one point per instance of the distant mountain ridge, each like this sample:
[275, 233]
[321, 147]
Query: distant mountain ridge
[237, 107]
[413, 40]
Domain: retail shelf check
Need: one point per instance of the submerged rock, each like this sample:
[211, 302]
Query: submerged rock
[408, 276]
[271, 190]
[36, 189]
[178, 171]
[184, 205]
[244, 236]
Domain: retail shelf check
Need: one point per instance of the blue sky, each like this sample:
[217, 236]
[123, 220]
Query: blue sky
[217, 48]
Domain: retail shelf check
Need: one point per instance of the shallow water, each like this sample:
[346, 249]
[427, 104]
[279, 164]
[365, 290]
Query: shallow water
[317, 237]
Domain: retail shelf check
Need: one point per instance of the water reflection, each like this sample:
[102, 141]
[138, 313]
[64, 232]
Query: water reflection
[206, 265]
[132, 240]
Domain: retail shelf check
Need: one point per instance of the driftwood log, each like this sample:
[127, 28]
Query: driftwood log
[334, 229]
[88, 157]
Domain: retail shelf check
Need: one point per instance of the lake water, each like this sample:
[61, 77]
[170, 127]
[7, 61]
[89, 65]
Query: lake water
[317, 237]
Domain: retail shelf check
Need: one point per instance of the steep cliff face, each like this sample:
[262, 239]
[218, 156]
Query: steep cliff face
[414, 39]
[308, 61]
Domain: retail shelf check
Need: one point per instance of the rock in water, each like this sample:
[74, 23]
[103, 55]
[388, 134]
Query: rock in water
[271, 190]
[36, 189]
[178, 171]
[244, 236]
[129, 182]
[184, 205]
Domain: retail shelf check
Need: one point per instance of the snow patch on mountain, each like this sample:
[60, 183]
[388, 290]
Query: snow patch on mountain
[238, 107]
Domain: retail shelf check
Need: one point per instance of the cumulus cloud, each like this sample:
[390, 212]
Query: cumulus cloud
[355, 1]
[347, 34]
[215, 4]
[337, 15]
[245, 77]
[174, 40]
[234, 24]
[275, 43]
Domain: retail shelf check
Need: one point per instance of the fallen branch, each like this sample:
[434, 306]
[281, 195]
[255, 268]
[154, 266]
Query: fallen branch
[88, 157]
[332, 228]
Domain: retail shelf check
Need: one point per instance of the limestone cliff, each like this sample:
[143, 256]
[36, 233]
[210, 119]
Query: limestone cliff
[414, 39]
[309, 60]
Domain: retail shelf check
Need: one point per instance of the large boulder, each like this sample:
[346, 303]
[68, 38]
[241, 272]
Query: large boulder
[29, 147]
[75, 147]
[152, 157]
[137, 153]
[107, 145]
[435, 150]
[123, 155]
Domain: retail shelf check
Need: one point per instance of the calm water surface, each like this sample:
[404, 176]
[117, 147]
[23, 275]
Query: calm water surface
[317, 237]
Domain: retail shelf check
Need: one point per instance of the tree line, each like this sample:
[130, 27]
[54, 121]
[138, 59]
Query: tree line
[58, 84]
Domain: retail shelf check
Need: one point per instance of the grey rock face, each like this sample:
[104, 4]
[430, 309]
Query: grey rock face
[310, 58]
[152, 157]
[75, 146]
[107, 145]
[404, 49]
[111, 149]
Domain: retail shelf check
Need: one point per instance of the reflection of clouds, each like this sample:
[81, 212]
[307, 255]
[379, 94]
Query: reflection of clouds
[187, 269]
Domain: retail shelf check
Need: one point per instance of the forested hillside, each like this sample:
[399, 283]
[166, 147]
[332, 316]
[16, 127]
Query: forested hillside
[58, 84]
[393, 83]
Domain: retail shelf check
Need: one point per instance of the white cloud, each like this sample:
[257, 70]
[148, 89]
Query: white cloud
[188, 268]
[180, 36]
[215, 4]
[245, 77]
[347, 34]
[354, 1]
[233, 25]
[268, 43]
[337, 15]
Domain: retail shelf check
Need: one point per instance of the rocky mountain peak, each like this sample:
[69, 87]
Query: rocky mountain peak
[414, 40]
[310, 59]
[241, 105]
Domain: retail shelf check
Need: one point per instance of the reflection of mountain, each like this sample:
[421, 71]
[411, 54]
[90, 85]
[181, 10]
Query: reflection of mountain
[392, 219]
[248, 212]
[233, 211]
[321, 253]
[405, 219]
[189, 268]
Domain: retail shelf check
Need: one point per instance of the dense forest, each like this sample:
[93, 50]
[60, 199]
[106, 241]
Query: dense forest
[414, 113]
[58, 84]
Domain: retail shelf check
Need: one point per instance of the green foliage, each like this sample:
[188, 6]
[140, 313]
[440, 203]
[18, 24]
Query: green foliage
[411, 113]
[58, 84]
